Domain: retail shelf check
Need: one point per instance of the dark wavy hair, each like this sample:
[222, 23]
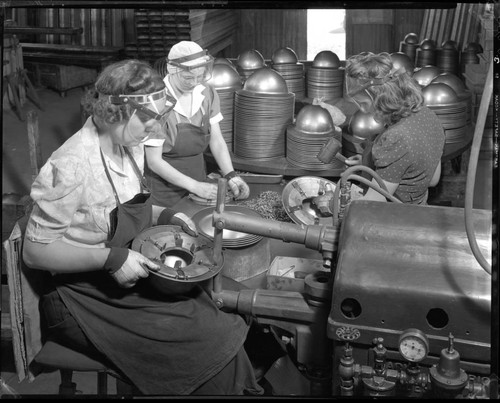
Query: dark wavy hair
[397, 96]
[126, 77]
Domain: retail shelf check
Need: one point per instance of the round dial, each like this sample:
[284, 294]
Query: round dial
[413, 345]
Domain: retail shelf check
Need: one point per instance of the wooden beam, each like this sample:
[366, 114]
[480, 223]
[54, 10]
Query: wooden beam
[42, 30]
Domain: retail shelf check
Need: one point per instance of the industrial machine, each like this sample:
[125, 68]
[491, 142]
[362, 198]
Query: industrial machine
[402, 306]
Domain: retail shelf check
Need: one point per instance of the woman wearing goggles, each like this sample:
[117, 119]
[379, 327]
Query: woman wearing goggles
[176, 166]
[407, 153]
[90, 202]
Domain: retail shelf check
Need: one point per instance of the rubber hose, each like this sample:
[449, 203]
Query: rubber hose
[471, 173]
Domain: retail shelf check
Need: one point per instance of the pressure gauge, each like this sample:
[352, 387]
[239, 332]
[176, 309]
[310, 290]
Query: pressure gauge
[413, 345]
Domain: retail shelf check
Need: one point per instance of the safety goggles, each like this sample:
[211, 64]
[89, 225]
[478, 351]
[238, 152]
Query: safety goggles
[359, 94]
[197, 72]
[156, 105]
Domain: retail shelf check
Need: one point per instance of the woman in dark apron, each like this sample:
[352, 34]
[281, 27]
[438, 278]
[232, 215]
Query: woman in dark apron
[165, 345]
[176, 166]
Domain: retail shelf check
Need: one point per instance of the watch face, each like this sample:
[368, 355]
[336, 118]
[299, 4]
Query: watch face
[413, 346]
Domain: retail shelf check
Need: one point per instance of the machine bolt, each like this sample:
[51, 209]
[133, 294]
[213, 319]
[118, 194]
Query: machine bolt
[219, 302]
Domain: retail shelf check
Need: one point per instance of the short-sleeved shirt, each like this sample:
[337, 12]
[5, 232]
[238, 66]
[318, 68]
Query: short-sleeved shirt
[73, 196]
[205, 100]
[408, 153]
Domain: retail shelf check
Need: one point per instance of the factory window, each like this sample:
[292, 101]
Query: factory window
[325, 31]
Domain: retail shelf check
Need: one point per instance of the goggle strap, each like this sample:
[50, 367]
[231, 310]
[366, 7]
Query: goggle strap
[179, 60]
[376, 81]
[121, 100]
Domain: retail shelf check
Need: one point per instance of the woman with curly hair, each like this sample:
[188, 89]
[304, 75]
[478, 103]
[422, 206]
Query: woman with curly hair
[90, 202]
[407, 153]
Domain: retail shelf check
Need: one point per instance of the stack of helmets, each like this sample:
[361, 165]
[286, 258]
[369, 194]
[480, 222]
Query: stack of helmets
[448, 57]
[362, 128]
[426, 53]
[450, 110]
[313, 128]
[226, 82]
[469, 55]
[285, 61]
[249, 62]
[464, 94]
[424, 75]
[325, 78]
[262, 111]
[409, 46]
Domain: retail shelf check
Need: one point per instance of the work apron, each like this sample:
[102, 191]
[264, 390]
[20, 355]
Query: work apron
[165, 345]
[186, 156]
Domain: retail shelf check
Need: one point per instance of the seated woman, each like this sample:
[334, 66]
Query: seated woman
[407, 153]
[89, 204]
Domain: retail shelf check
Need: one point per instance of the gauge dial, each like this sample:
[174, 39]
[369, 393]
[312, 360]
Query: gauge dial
[413, 345]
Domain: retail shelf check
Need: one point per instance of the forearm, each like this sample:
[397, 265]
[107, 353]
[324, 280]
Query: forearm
[172, 175]
[221, 154]
[61, 257]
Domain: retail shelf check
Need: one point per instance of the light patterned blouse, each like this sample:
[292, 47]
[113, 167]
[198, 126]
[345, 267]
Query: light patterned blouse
[72, 194]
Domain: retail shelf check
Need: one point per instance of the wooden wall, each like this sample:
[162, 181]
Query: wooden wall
[268, 30]
[101, 26]
[263, 29]
[380, 30]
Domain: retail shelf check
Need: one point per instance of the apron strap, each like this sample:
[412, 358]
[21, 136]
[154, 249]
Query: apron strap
[140, 176]
[109, 177]
[142, 180]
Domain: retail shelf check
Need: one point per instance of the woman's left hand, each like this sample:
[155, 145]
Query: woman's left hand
[185, 223]
[239, 188]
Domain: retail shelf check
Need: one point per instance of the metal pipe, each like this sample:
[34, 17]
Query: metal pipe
[218, 233]
[316, 237]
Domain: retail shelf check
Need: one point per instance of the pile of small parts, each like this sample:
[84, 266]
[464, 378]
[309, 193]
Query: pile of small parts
[269, 205]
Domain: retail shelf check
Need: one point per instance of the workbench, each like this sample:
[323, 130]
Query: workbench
[277, 247]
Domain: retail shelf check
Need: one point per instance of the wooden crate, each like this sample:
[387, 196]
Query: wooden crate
[61, 77]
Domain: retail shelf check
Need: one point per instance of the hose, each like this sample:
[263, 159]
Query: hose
[346, 175]
[471, 173]
[374, 187]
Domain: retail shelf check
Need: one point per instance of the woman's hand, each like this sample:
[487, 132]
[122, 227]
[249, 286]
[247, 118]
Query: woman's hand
[206, 190]
[354, 160]
[133, 269]
[183, 221]
[169, 216]
[239, 188]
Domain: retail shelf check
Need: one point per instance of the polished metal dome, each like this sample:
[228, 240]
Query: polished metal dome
[326, 59]
[314, 119]
[426, 74]
[225, 77]
[451, 80]
[363, 125]
[439, 94]
[411, 39]
[224, 60]
[401, 60]
[250, 60]
[449, 44]
[266, 81]
[428, 44]
[284, 56]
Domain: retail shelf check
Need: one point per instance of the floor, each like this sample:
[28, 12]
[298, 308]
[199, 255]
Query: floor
[58, 120]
